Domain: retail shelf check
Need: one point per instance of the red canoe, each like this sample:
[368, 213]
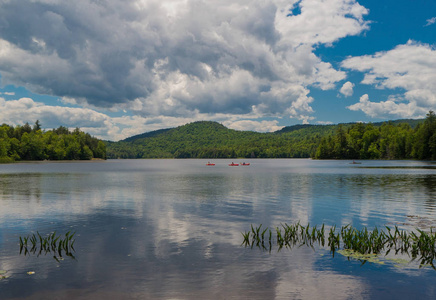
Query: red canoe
[233, 165]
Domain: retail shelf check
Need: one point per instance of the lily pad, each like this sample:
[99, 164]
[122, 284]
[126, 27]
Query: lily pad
[3, 272]
[372, 258]
[400, 261]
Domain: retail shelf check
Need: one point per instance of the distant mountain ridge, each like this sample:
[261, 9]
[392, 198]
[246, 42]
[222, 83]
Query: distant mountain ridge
[412, 122]
[208, 139]
[146, 135]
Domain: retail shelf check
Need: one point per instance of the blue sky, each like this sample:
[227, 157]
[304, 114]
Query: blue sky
[119, 68]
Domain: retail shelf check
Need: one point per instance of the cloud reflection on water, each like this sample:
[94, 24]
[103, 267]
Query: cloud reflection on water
[176, 234]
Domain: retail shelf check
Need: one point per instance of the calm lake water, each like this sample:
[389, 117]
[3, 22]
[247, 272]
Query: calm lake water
[171, 229]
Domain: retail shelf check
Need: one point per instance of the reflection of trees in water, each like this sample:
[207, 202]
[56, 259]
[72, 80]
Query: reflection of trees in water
[397, 181]
[21, 187]
[429, 182]
[31, 186]
[373, 198]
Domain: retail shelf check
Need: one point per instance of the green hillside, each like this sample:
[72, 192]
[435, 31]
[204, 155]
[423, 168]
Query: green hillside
[205, 139]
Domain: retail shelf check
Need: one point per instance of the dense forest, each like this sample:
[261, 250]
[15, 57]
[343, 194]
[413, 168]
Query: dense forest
[401, 139]
[31, 143]
[389, 141]
[206, 139]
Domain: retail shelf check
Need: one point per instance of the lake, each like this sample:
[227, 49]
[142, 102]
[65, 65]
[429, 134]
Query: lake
[171, 229]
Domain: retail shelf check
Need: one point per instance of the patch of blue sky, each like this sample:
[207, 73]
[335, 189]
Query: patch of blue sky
[11, 92]
[295, 10]
[392, 23]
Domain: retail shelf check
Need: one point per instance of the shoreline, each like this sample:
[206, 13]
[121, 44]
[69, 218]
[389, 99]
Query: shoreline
[53, 161]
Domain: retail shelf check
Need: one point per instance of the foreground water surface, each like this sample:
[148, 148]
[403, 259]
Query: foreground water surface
[171, 229]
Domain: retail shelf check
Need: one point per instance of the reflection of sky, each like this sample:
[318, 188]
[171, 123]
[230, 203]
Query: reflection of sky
[171, 229]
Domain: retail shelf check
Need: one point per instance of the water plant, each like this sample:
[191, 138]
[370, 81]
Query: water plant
[350, 241]
[3, 274]
[58, 245]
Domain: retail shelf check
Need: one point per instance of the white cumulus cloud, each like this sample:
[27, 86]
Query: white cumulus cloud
[388, 108]
[250, 125]
[410, 67]
[8, 93]
[101, 125]
[347, 89]
[18, 112]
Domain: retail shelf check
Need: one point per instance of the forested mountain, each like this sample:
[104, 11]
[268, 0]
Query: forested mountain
[27, 143]
[212, 140]
[206, 139]
[413, 123]
[146, 134]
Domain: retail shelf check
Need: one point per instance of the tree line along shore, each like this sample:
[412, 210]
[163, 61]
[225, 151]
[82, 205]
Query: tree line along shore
[389, 141]
[23, 143]
[400, 139]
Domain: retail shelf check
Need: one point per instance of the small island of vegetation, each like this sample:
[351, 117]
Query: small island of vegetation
[32, 143]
